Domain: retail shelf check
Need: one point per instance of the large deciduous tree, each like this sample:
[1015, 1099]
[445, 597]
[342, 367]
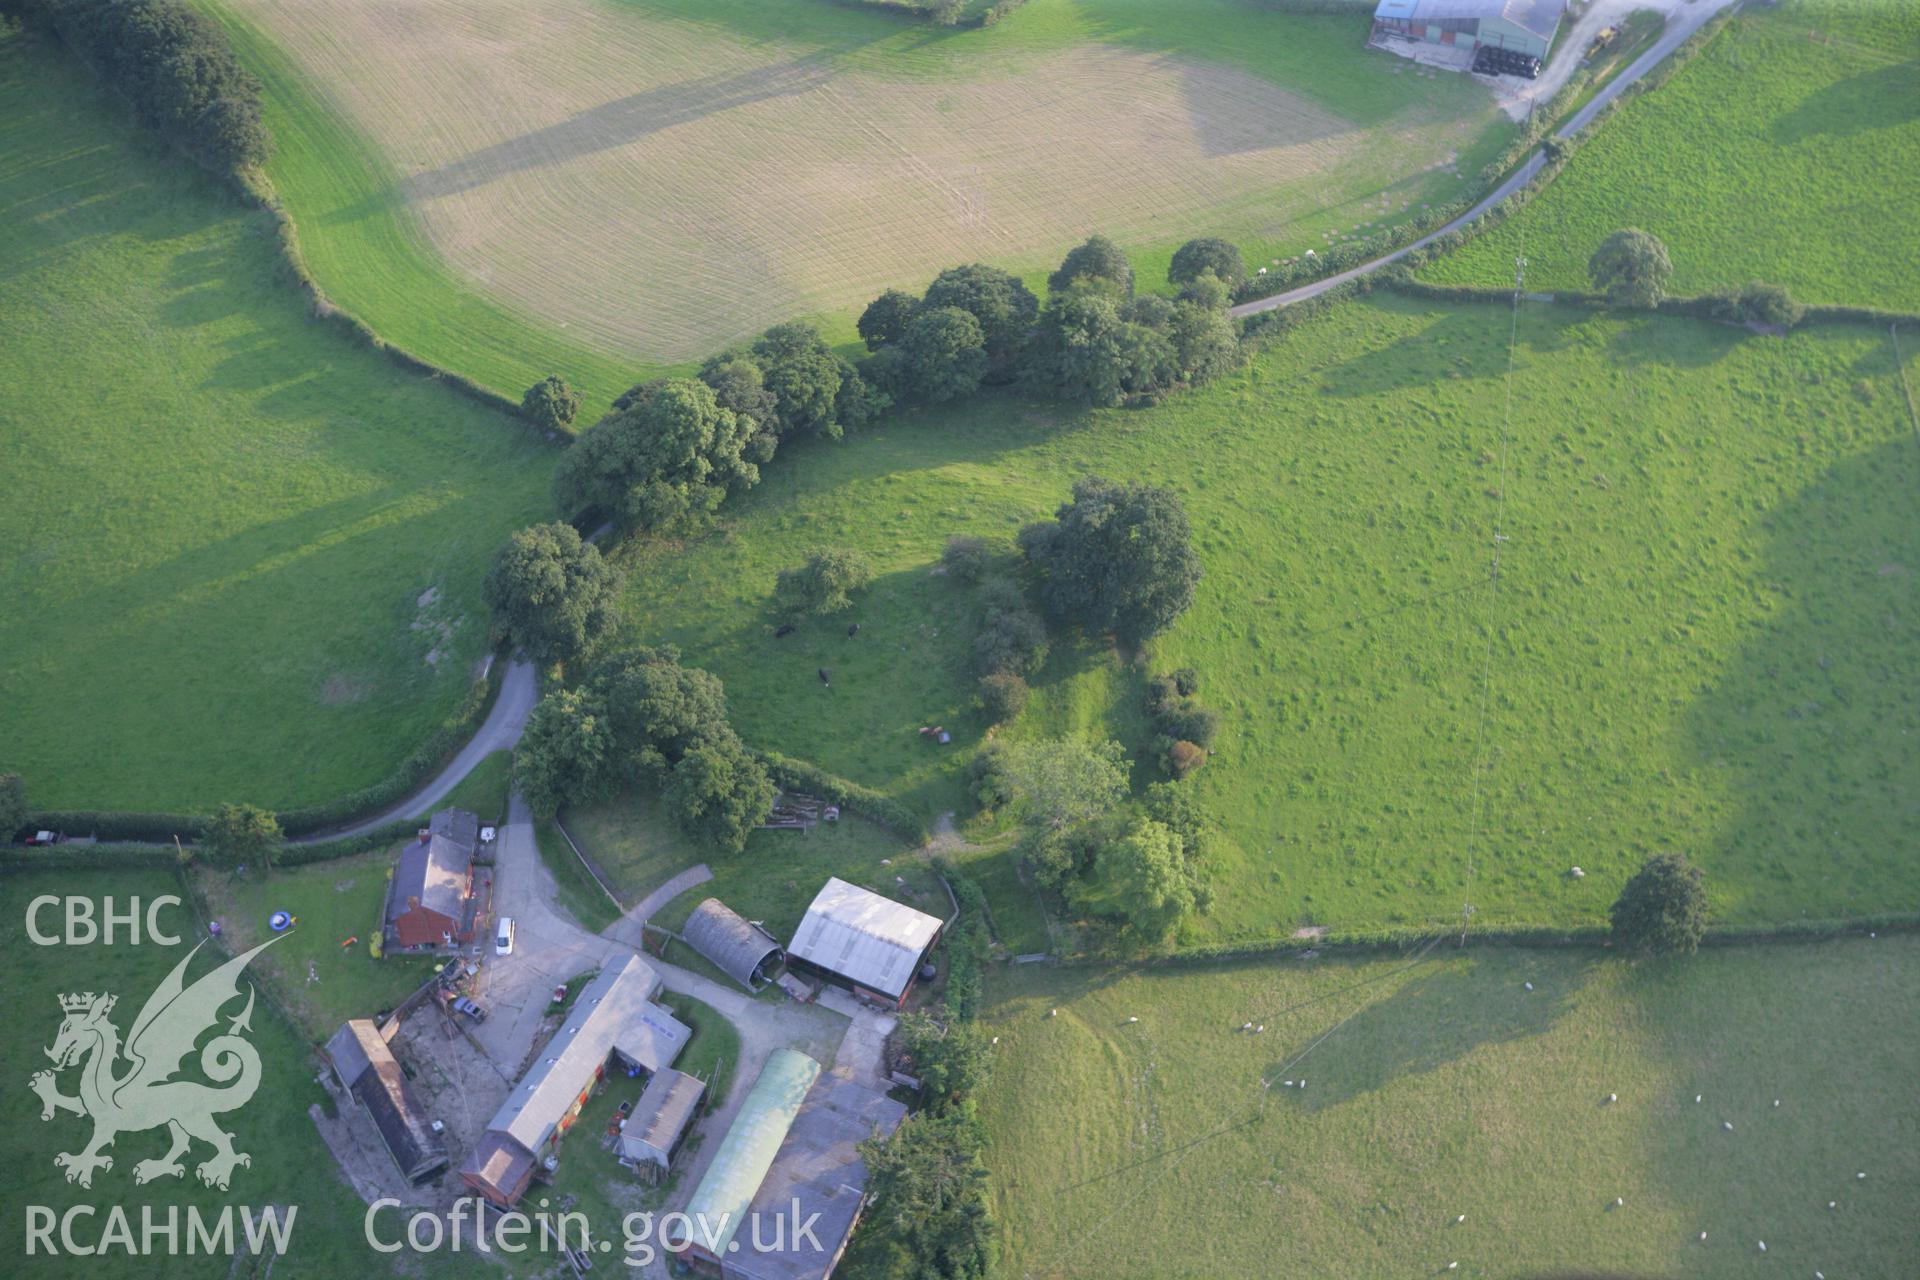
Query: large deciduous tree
[1096, 265]
[805, 377]
[1631, 267]
[551, 592]
[1150, 881]
[1663, 908]
[719, 793]
[1205, 254]
[944, 354]
[550, 404]
[670, 455]
[825, 583]
[565, 753]
[885, 318]
[1003, 305]
[1118, 558]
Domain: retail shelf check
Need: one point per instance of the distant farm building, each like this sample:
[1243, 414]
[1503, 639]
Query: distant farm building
[872, 943]
[368, 1071]
[430, 902]
[737, 947]
[1526, 26]
[615, 1020]
[659, 1122]
[793, 1154]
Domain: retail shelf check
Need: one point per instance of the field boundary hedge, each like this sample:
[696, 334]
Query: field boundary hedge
[1358, 941]
[1705, 306]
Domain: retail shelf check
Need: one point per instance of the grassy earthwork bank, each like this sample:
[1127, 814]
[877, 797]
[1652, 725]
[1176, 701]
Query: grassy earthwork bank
[244, 553]
[1786, 151]
[290, 1165]
[1444, 1087]
[1702, 639]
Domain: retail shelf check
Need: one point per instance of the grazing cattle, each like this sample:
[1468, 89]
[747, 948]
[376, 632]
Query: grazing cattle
[823, 678]
[853, 629]
[784, 629]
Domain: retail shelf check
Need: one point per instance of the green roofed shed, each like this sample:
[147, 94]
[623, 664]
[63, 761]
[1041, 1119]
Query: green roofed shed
[726, 1191]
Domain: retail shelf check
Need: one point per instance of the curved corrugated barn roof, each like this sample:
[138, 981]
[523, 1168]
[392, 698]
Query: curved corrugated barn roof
[747, 1152]
[738, 947]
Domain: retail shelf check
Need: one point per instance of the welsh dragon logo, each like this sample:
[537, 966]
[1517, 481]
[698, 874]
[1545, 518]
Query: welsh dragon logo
[143, 1093]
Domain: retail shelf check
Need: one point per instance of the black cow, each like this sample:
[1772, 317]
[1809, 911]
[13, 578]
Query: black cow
[823, 678]
[784, 629]
[854, 629]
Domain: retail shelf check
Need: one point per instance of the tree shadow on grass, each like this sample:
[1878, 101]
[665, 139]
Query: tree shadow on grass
[1434, 1019]
[1468, 343]
[1815, 722]
[1885, 98]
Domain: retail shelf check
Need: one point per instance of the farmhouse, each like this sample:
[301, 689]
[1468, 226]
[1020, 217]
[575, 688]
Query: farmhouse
[660, 1120]
[738, 948]
[367, 1070]
[873, 944]
[430, 902]
[793, 1155]
[1526, 26]
[615, 1020]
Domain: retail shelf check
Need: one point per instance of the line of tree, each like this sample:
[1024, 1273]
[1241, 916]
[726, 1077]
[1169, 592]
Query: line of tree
[174, 65]
[931, 1217]
[640, 717]
[1095, 342]
[669, 451]
[1632, 268]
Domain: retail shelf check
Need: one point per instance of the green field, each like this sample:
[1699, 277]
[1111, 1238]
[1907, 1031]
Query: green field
[1446, 1088]
[291, 1166]
[570, 200]
[226, 520]
[1703, 638]
[1787, 151]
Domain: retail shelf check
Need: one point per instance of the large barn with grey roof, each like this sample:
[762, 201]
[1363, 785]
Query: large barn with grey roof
[871, 943]
[1526, 26]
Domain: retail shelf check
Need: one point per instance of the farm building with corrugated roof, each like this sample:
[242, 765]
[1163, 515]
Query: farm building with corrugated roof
[792, 1155]
[737, 947]
[872, 943]
[659, 1122]
[1527, 26]
[368, 1071]
[614, 1018]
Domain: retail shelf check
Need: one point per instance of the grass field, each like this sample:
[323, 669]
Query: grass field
[243, 554]
[1447, 1088]
[601, 188]
[1787, 151]
[291, 1166]
[1704, 637]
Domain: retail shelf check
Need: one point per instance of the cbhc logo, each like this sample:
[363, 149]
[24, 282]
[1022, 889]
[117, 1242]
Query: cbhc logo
[83, 927]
